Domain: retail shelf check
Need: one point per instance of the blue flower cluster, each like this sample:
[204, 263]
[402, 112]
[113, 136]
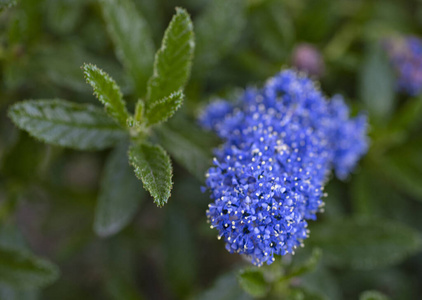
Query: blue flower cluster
[406, 57]
[280, 143]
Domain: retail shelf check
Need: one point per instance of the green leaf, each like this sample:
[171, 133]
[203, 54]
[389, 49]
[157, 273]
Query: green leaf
[272, 25]
[173, 60]
[108, 92]
[161, 110]
[307, 266]
[362, 243]
[6, 4]
[224, 288]
[153, 166]
[179, 251]
[403, 165]
[253, 282]
[19, 163]
[139, 111]
[372, 295]
[217, 31]
[303, 294]
[22, 269]
[321, 282]
[408, 117]
[132, 39]
[119, 195]
[62, 17]
[63, 123]
[188, 145]
[119, 287]
[377, 84]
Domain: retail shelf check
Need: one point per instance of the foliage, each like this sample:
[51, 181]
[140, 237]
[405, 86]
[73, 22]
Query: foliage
[152, 69]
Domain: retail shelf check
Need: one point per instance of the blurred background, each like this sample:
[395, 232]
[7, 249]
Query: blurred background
[48, 194]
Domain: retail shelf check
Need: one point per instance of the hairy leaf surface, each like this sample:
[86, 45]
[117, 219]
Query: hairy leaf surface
[161, 110]
[63, 123]
[108, 92]
[153, 166]
[173, 60]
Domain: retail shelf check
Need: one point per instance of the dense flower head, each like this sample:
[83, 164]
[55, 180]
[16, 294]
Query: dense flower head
[280, 143]
[406, 57]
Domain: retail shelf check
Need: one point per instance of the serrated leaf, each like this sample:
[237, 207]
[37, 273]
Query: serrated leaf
[153, 166]
[377, 84]
[217, 30]
[139, 111]
[132, 39]
[253, 282]
[362, 243]
[119, 196]
[108, 92]
[22, 269]
[160, 111]
[63, 123]
[173, 60]
[188, 145]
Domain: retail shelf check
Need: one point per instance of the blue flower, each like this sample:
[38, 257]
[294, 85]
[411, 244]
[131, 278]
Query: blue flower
[406, 57]
[215, 113]
[268, 177]
[349, 142]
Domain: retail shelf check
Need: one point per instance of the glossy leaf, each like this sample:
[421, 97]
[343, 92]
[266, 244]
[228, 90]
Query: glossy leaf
[173, 60]
[160, 111]
[63, 123]
[153, 166]
[119, 196]
[21, 269]
[108, 92]
[363, 243]
[132, 39]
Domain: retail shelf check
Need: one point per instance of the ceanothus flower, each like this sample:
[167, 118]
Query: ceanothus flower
[406, 57]
[280, 143]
